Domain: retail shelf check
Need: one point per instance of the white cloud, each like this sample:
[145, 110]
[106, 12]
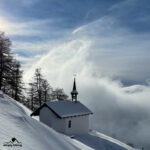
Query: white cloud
[30, 28]
[116, 108]
[59, 59]
[77, 30]
[127, 4]
[117, 51]
[35, 47]
[94, 52]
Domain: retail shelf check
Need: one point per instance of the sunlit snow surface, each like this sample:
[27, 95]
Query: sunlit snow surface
[15, 121]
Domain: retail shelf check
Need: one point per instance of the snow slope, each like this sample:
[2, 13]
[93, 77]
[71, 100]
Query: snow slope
[15, 121]
[98, 141]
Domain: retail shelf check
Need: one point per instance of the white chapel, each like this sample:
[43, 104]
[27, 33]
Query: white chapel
[68, 117]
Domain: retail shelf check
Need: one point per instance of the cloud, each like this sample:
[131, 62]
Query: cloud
[31, 38]
[110, 60]
[30, 28]
[136, 18]
[36, 47]
[102, 54]
[112, 44]
[122, 112]
[60, 63]
[22, 2]
[24, 59]
[35, 28]
[117, 113]
[77, 30]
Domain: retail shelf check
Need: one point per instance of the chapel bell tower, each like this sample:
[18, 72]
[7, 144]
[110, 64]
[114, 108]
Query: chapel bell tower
[74, 92]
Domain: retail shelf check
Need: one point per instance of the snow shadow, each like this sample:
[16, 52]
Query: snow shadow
[97, 143]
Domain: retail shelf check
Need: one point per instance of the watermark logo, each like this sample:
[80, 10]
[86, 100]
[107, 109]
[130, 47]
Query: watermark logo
[13, 142]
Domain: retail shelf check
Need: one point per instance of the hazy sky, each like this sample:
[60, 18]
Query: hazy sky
[105, 42]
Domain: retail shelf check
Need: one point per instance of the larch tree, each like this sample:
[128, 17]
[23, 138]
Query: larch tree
[10, 70]
[17, 85]
[47, 90]
[5, 59]
[39, 90]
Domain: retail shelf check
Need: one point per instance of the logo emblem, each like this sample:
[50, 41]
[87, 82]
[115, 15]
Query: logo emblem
[13, 142]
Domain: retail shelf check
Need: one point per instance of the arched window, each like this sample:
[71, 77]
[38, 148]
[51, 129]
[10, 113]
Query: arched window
[69, 124]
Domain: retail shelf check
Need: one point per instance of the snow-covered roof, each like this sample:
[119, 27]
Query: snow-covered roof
[63, 109]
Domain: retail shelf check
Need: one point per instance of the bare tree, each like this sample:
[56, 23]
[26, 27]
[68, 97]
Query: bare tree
[47, 90]
[17, 80]
[59, 94]
[39, 91]
[31, 96]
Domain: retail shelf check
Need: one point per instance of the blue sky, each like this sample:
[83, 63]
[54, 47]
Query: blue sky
[105, 42]
[35, 27]
[71, 14]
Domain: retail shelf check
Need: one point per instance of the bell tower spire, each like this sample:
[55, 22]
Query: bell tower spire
[74, 92]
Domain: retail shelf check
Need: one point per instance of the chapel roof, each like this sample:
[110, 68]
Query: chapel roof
[64, 109]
